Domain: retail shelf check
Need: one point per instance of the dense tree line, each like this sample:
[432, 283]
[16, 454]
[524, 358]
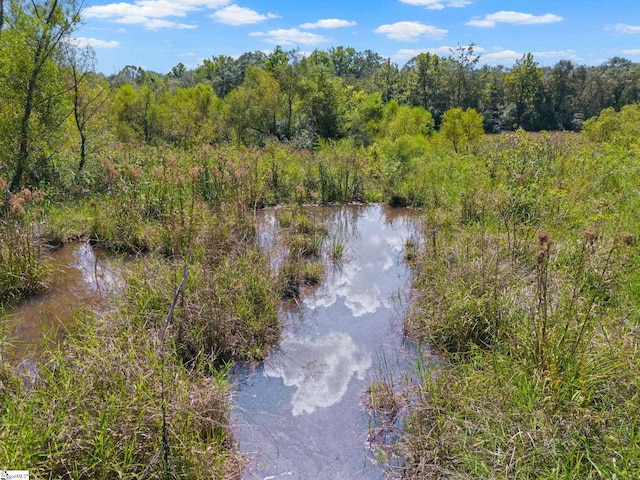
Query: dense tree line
[53, 98]
[342, 92]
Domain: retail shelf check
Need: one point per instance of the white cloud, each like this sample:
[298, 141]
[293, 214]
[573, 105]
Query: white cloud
[501, 55]
[155, 23]
[290, 36]
[561, 54]
[626, 29]
[635, 51]
[410, 31]
[235, 15]
[329, 23]
[438, 4]
[519, 18]
[149, 13]
[511, 56]
[83, 42]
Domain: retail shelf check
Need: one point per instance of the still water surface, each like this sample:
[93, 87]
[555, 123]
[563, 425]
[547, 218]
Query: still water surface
[299, 415]
[82, 278]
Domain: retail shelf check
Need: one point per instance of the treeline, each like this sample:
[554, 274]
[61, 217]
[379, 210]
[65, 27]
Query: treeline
[55, 103]
[523, 96]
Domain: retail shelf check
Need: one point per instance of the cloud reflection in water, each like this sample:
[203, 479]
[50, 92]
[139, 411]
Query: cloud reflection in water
[319, 369]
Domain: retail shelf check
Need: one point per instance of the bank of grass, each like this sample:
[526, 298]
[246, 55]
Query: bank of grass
[142, 392]
[22, 264]
[116, 403]
[531, 304]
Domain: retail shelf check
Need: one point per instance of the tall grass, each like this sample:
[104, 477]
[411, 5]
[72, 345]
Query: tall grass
[22, 264]
[96, 412]
[532, 315]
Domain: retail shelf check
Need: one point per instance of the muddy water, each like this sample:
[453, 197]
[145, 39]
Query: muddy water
[300, 415]
[82, 278]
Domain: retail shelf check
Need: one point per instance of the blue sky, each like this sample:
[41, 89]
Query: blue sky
[159, 34]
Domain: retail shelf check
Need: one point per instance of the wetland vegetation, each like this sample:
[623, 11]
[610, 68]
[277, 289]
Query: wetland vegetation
[524, 274]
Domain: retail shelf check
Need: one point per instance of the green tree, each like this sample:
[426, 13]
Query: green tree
[564, 81]
[463, 128]
[427, 83]
[364, 116]
[89, 94]
[192, 118]
[387, 80]
[285, 68]
[221, 72]
[402, 120]
[33, 94]
[524, 91]
[463, 63]
[323, 99]
[619, 128]
[129, 109]
[251, 110]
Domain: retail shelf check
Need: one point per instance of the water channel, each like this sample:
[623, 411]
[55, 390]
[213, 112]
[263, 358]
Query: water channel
[299, 415]
[82, 277]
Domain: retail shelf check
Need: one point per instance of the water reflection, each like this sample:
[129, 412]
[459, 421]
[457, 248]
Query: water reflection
[319, 369]
[361, 279]
[300, 413]
[81, 278]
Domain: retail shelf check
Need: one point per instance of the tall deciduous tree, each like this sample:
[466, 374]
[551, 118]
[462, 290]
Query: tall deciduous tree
[524, 89]
[324, 99]
[464, 60]
[31, 51]
[285, 68]
[427, 83]
[251, 110]
[89, 93]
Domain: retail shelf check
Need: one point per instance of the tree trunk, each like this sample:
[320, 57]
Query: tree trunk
[41, 54]
[1, 16]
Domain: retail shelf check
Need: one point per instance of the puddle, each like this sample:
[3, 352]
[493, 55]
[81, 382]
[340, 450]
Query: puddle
[82, 278]
[299, 415]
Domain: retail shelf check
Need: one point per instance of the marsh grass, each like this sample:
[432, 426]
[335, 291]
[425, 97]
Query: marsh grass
[537, 381]
[304, 241]
[96, 412]
[22, 264]
[530, 305]
[228, 311]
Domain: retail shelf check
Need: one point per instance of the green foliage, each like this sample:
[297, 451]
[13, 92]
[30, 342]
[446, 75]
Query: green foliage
[405, 120]
[251, 110]
[524, 92]
[99, 406]
[618, 128]
[535, 373]
[462, 128]
[33, 93]
[363, 117]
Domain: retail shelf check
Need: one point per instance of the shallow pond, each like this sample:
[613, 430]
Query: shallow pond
[299, 414]
[82, 278]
